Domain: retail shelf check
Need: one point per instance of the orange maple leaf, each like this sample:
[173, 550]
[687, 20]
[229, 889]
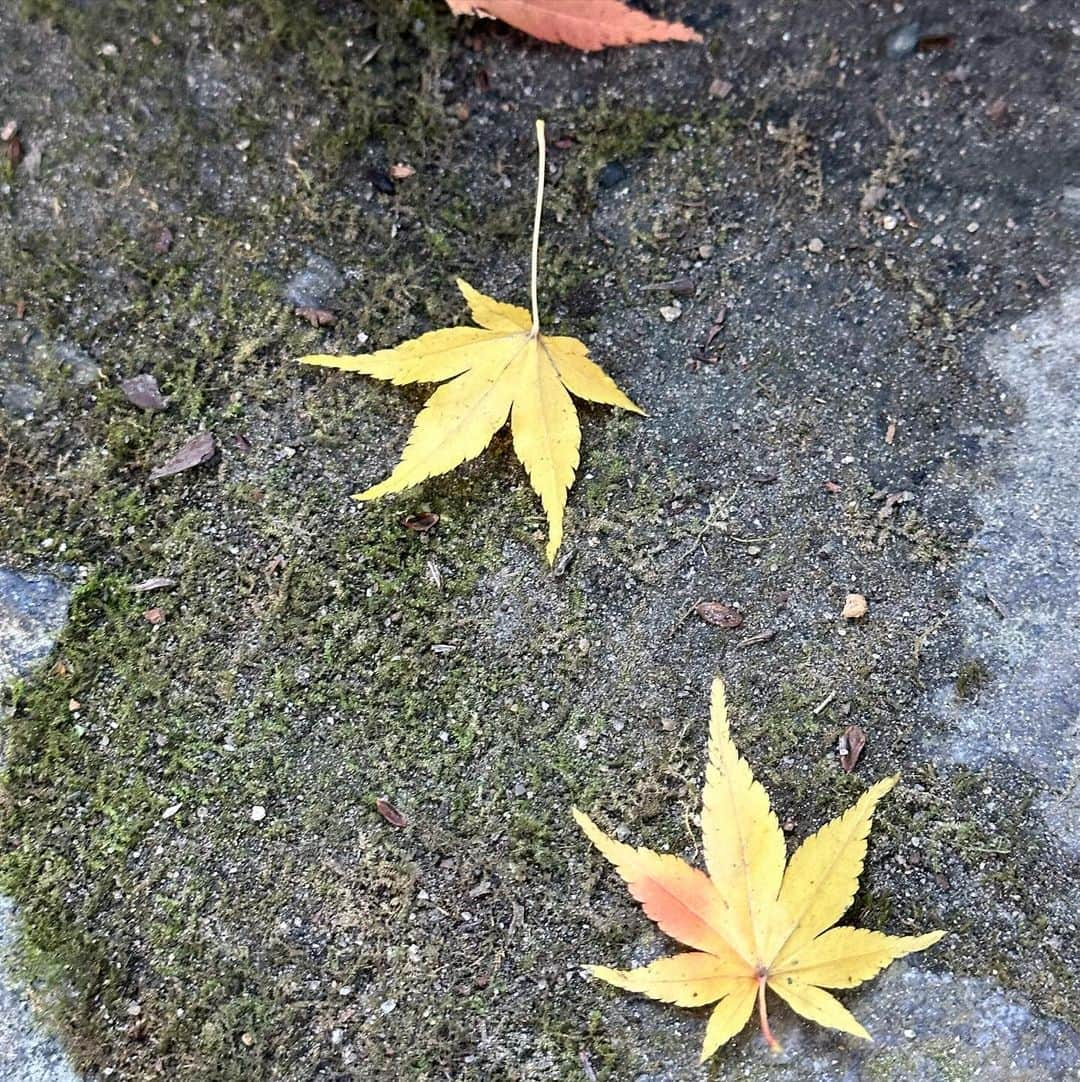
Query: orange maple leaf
[581, 24]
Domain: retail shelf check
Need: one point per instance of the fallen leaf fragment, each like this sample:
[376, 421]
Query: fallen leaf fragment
[159, 582]
[401, 171]
[164, 241]
[390, 813]
[855, 607]
[713, 612]
[154, 616]
[892, 501]
[503, 368]
[752, 924]
[317, 317]
[143, 391]
[850, 746]
[420, 523]
[197, 450]
[581, 24]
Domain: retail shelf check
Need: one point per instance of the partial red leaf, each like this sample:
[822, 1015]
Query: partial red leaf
[581, 24]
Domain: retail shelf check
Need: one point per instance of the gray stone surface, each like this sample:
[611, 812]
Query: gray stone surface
[926, 1026]
[1021, 592]
[26, 1053]
[32, 612]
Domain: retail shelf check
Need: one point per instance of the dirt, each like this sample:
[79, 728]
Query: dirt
[855, 227]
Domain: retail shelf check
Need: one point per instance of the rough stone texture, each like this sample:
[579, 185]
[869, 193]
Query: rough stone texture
[33, 609]
[1021, 591]
[925, 1026]
[32, 613]
[27, 1054]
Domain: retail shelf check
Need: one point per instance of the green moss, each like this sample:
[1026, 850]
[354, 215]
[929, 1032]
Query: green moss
[971, 678]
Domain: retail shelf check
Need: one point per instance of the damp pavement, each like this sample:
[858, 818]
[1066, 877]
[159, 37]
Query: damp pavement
[1020, 599]
[840, 259]
[33, 608]
[1020, 610]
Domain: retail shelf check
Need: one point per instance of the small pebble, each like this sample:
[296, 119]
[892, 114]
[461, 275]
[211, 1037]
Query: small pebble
[888, 223]
[381, 181]
[855, 607]
[902, 41]
[816, 245]
[258, 813]
[973, 227]
[612, 174]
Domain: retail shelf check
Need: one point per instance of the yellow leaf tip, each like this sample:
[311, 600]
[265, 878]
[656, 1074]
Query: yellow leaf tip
[889, 783]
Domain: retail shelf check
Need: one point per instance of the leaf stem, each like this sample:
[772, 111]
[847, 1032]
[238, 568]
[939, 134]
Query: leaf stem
[763, 1014]
[536, 222]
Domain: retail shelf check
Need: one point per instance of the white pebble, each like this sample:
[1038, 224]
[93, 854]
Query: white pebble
[258, 813]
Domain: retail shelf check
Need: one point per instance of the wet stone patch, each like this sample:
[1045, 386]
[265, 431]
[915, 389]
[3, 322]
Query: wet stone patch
[33, 609]
[926, 1026]
[1017, 693]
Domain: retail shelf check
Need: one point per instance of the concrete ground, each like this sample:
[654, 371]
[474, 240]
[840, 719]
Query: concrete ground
[831, 252]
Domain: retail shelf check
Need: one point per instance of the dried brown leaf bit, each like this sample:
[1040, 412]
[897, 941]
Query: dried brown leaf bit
[713, 612]
[390, 813]
[421, 522]
[143, 391]
[850, 746]
[197, 450]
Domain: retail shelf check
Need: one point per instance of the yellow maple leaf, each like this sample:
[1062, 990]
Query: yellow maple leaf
[751, 923]
[502, 368]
